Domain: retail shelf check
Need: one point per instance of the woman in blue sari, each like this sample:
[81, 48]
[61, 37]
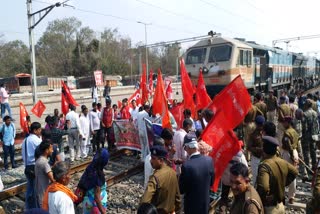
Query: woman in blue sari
[94, 182]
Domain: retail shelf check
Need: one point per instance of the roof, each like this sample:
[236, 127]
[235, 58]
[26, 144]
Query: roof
[23, 75]
[220, 40]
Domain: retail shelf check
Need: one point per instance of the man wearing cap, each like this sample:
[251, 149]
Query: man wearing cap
[162, 190]
[272, 104]
[258, 99]
[310, 129]
[289, 151]
[255, 147]
[283, 111]
[196, 178]
[181, 155]
[274, 174]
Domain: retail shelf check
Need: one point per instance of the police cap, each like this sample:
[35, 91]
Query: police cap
[270, 140]
[158, 151]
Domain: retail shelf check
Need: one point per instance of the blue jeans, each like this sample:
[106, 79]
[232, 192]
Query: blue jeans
[31, 200]
[5, 106]
[8, 150]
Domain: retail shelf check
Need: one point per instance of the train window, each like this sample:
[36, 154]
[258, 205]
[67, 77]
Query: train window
[220, 53]
[240, 58]
[196, 56]
[249, 62]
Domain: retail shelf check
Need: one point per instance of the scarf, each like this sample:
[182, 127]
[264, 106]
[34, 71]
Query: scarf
[54, 187]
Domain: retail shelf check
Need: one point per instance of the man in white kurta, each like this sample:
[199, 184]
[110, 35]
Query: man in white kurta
[85, 129]
[143, 137]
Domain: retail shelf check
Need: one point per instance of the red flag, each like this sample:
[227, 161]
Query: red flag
[202, 97]
[151, 82]
[187, 89]
[143, 85]
[177, 113]
[38, 108]
[119, 104]
[228, 147]
[160, 103]
[64, 104]
[23, 118]
[136, 96]
[234, 101]
[68, 95]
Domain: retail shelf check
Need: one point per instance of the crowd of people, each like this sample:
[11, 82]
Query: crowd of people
[279, 143]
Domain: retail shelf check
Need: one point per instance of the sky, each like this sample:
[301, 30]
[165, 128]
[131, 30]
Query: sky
[254, 20]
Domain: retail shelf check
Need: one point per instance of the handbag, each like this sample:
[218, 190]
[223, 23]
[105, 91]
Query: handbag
[80, 193]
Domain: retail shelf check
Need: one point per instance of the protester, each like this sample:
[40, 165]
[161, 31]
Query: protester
[95, 93]
[56, 137]
[85, 129]
[134, 110]
[58, 198]
[43, 171]
[196, 178]
[117, 114]
[178, 140]
[107, 90]
[29, 146]
[94, 127]
[4, 101]
[107, 118]
[125, 114]
[94, 183]
[273, 175]
[187, 115]
[143, 136]
[56, 114]
[8, 134]
[75, 133]
[246, 198]
[167, 136]
[162, 190]
[55, 156]
[207, 115]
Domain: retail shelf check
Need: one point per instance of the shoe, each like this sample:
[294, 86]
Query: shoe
[291, 200]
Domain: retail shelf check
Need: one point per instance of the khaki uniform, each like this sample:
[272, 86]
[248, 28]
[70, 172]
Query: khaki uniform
[255, 147]
[314, 204]
[163, 191]
[273, 175]
[289, 153]
[272, 104]
[283, 111]
[262, 107]
[248, 202]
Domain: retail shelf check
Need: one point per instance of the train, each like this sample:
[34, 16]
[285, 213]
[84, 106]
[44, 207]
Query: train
[261, 67]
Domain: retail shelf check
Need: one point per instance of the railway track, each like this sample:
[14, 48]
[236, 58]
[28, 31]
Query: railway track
[16, 192]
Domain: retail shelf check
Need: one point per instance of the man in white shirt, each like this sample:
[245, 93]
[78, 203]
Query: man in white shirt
[181, 155]
[134, 110]
[4, 101]
[94, 118]
[94, 94]
[187, 114]
[75, 132]
[85, 129]
[29, 146]
[143, 138]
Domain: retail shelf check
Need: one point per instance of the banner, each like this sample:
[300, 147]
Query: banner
[23, 118]
[98, 77]
[228, 147]
[126, 135]
[38, 109]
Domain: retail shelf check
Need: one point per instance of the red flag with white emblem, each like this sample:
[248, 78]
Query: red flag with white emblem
[38, 108]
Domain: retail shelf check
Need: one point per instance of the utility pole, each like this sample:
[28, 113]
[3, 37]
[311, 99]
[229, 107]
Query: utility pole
[145, 34]
[32, 23]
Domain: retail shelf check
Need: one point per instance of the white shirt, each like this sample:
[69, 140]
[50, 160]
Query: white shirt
[60, 203]
[141, 123]
[134, 112]
[85, 125]
[148, 170]
[178, 139]
[33, 142]
[94, 120]
[73, 117]
[4, 95]
[94, 91]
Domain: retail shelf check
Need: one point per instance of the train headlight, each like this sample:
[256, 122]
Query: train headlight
[205, 70]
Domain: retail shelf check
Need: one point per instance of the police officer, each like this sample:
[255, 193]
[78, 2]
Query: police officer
[289, 151]
[310, 130]
[162, 189]
[255, 147]
[314, 206]
[272, 105]
[273, 175]
[246, 198]
[283, 111]
[262, 107]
